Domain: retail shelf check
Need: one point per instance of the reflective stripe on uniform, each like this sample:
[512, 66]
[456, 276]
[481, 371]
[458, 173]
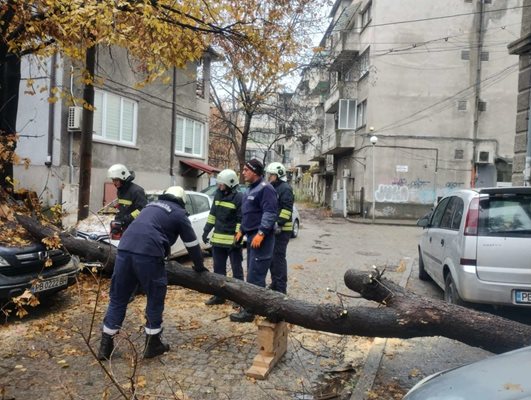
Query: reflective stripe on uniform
[222, 238]
[286, 214]
[225, 204]
[191, 244]
[211, 219]
[237, 228]
[125, 202]
[287, 227]
[135, 213]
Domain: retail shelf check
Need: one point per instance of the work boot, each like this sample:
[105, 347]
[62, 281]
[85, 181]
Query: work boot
[215, 300]
[242, 316]
[106, 346]
[154, 346]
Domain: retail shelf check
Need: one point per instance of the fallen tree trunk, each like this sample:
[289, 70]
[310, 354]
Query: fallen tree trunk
[88, 249]
[405, 314]
[400, 314]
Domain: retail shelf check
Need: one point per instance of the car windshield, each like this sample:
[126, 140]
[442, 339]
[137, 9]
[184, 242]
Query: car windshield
[505, 214]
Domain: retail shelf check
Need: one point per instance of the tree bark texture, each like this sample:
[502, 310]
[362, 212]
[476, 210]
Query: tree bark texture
[396, 313]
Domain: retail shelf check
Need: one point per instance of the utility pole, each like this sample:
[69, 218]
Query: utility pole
[87, 124]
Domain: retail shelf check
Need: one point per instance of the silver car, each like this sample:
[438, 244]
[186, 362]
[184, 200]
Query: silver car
[501, 377]
[476, 245]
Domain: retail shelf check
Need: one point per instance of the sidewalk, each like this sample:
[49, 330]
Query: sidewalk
[382, 221]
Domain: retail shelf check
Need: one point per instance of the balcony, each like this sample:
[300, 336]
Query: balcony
[338, 143]
[344, 50]
[342, 90]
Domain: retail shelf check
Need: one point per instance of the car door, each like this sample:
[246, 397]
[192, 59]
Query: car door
[431, 248]
[449, 235]
[199, 215]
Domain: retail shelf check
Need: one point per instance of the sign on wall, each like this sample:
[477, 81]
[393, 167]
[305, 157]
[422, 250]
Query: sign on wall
[401, 168]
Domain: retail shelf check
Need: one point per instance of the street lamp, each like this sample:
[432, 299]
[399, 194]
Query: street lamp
[373, 140]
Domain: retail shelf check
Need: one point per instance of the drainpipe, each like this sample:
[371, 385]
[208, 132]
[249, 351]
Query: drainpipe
[51, 111]
[477, 93]
[527, 171]
[344, 197]
[173, 125]
[71, 134]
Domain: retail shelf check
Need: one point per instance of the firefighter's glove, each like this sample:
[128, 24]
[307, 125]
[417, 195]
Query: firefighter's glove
[238, 237]
[127, 219]
[205, 238]
[199, 268]
[277, 229]
[257, 240]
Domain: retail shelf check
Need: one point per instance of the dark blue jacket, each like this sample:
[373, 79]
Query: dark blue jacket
[157, 228]
[259, 208]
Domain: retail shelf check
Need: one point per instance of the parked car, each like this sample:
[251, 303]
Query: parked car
[21, 266]
[296, 218]
[476, 245]
[501, 377]
[97, 227]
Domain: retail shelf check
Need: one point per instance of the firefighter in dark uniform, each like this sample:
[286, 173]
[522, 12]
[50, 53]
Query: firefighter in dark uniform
[131, 197]
[140, 261]
[259, 214]
[276, 174]
[225, 217]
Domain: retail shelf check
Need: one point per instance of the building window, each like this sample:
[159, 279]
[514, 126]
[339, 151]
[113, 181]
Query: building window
[347, 114]
[364, 63]
[482, 106]
[189, 136]
[361, 114]
[465, 54]
[459, 154]
[115, 118]
[484, 56]
[462, 105]
[366, 16]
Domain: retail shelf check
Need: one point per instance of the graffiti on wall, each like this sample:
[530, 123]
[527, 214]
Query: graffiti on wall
[399, 190]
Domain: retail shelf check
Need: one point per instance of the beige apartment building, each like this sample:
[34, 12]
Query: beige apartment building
[434, 87]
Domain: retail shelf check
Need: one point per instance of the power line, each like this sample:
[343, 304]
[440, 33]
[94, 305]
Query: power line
[442, 17]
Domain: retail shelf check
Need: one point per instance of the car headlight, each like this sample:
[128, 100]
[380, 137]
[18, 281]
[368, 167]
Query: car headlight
[3, 262]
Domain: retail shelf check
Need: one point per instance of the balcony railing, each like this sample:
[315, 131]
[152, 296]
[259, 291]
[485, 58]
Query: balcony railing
[344, 50]
[338, 142]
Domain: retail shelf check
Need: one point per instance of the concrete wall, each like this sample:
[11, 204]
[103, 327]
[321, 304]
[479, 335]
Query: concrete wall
[523, 123]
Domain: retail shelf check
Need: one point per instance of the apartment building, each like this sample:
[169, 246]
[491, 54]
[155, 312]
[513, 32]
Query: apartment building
[432, 83]
[159, 130]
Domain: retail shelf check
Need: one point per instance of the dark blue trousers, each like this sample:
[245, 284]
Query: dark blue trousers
[220, 255]
[259, 260]
[279, 264]
[131, 270]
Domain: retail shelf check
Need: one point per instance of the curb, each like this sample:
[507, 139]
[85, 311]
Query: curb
[374, 358]
[405, 222]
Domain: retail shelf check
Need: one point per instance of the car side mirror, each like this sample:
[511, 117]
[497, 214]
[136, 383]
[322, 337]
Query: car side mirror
[424, 221]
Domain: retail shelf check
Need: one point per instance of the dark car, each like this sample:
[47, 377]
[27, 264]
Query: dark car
[24, 268]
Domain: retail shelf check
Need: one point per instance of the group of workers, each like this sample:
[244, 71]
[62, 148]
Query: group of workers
[262, 214]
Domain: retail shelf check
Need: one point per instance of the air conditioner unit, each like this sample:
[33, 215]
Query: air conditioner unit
[74, 118]
[484, 157]
[346, 173]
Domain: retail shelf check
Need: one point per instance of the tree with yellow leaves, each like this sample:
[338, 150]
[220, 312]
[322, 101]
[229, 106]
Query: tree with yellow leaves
[159, 34]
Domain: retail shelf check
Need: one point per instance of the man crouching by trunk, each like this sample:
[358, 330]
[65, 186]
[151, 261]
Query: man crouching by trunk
[140, 261]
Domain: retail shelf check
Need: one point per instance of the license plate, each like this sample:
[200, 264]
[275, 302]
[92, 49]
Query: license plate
[48, 284]
[522, 297]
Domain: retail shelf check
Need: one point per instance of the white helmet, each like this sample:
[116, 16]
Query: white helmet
[118, 171]
[177, 192]
[276, 168]
[228, 177]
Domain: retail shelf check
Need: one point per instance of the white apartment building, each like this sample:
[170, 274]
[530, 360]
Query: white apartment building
[432, 82]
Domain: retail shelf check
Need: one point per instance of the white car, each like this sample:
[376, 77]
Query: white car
[97, 227]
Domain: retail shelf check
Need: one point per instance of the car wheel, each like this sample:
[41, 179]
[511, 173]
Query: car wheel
[295, 231]
[423, 275]
[450, 292]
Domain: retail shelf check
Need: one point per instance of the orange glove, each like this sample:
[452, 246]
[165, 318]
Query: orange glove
[238, 237]
[257, 240]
